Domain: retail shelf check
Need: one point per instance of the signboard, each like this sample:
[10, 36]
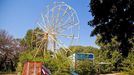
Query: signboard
[79, 56]
[91, 56]
[82, 56]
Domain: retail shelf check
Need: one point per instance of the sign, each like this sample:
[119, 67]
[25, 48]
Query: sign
[74, 73]
[82, 56]
[79, 56]
[91, 56]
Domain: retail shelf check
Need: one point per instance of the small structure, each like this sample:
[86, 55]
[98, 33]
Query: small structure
[35, 68]
[104, 66]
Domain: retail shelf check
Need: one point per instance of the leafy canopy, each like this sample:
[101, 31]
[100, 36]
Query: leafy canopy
[113, 18]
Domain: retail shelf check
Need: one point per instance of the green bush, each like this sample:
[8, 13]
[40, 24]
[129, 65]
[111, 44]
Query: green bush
[57, 64]
[85, 67]
[128, 63]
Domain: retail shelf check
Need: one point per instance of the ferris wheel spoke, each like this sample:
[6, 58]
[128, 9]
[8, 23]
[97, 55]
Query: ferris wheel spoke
[57, 16]
[44, 22]
[69, 18]
[64, 29]
[63, 46]
[38, 33]
[63, 35]
[44, 28]
[47, 16]
[47, 19]
[48, 12]
[59, 19]
[70, 23]
[41, 46]
[52, 17]
[59, 43]
[68, 36]
[65, 12]
[38, 44]
[50, 44]
[66, 22]
[72, 40]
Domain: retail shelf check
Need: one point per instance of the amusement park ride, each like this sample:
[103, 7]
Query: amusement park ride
[60, 25]
[60, 28]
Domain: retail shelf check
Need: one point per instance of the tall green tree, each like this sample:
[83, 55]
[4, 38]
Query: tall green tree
[31, 38]
[113, 18]
[111, 46]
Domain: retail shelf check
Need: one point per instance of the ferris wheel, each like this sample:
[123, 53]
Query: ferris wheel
[60, 28]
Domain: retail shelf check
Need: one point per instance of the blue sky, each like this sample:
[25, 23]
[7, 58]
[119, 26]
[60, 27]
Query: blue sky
[17, 16]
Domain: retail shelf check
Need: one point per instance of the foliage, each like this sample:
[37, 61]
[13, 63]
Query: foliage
[85, 67]
[31, 38]
[112, 46]
[111, 57]
[9, 51]
[128, 64]
[113, 18]
[84, 49]
[28, 55]
[61, 63]
[108, 53]
[58, 64]
[62, 66]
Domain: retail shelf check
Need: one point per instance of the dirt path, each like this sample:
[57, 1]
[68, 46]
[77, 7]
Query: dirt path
[9, 74]
[114, 74]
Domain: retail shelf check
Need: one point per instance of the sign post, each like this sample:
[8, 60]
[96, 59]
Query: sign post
[81, 56]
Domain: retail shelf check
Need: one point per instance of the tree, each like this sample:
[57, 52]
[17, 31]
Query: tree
[31, 38]
[9, 51]
[111, 46]
[113, 18]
